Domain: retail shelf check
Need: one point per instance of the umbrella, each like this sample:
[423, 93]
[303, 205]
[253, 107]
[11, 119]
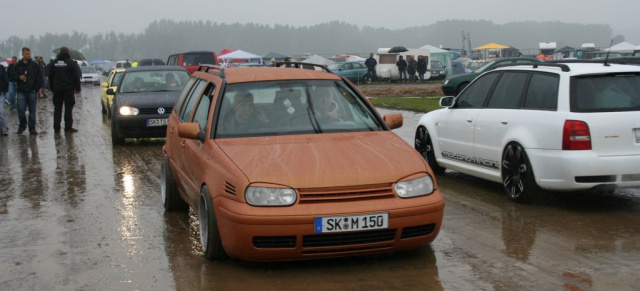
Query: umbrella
[398, 49]
[76, 55]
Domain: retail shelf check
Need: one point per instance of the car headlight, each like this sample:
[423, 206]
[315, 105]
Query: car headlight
[126, 110]
[263, 196]
[414, 188]
[445, 82]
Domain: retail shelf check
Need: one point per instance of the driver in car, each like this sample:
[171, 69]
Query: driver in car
[325, 106]
[245, 115]
[137, 85]
[171, 82]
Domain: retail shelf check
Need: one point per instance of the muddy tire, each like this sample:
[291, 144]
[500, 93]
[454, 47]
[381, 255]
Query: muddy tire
[424, 146]
[209, 232]
[116, 139]
[170, 196]
[461, 87]
[517, 175]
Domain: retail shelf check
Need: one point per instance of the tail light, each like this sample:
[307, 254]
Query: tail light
[576, 135]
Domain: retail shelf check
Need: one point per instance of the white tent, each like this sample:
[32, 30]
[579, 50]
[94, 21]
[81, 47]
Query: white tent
[318, 60]
[440, 55]
[623, 47]
[240, 55]
[353, 58]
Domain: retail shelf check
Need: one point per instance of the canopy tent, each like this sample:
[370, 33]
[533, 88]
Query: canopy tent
[318, 60]
[226, 51]
[566, 49]
[492, 45]
[240, 56]
[442, 56]
[623, 48]
[275, 56]
[347, 58]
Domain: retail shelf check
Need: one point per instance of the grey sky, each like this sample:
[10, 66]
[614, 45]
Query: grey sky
[133, 16]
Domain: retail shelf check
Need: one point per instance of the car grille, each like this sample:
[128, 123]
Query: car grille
[416, 231]
[345, 239]
[154, 110]
[270, 242]
[346, 250]
[151, 130]
[367, 192]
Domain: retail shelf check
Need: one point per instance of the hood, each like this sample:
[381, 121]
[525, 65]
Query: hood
[324, 160]
[164, 99]
[63, 57]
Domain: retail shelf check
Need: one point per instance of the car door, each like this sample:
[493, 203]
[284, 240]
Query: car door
[104, 89]
[455, 125]
[493, 122]
[359, 71]
[347, 71]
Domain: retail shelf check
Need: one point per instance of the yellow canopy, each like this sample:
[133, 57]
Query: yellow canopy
[492, 45]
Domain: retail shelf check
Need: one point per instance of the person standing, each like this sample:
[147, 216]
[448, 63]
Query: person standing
[126, 64]
[4, 87]
[13, 85]
[422, 67]
[411, 69]
[27, 72]
[64, 79]
[402, 68]
[43, 72]
[371, 64]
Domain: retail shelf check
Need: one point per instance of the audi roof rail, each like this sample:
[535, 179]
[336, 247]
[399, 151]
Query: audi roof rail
[619, 61]
[302, 65]
[205, 68]
[564, 67]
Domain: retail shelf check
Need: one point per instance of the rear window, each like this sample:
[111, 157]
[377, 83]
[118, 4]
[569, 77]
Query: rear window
[198, 59]
[605, 93]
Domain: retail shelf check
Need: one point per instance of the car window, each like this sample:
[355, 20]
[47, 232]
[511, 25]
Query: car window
[542, 92]
[184, 93]
[474, 95]
[116, 78]
[347, 66]
[198, 59]
[508, 91]
[202, 111]
[358, 66]
[605, 93]
[187, 108]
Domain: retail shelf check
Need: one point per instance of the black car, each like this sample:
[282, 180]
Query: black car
[143, 101]
[150, 62]
[438, 71]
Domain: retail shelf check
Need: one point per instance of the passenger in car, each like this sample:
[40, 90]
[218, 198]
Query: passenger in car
[170, 81]
[325, 105]
[245, 116]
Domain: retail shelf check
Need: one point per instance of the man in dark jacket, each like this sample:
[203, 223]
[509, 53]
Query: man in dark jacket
[402, 68]
[27, 73]
[64, 79]
[4, 87]
[411, 69]
[422, 67]
[371, 64]
[13, 85]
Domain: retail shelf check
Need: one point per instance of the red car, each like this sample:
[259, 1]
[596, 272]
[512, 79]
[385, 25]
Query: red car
[192, 60]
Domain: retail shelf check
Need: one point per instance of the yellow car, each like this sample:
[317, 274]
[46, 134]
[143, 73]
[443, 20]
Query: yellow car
[112, 82]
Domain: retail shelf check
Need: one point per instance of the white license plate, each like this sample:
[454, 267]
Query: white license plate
[351, 222]
[157, 122]
[637, 130]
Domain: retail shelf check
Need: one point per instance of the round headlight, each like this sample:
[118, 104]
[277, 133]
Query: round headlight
[126, 110]
[414, 188]
[263, 196]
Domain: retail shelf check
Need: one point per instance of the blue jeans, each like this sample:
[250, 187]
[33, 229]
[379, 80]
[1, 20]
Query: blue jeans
[27, 99]
[13, 86]
[421, 75]
[3, 120]
[403, 75]
[372, 73]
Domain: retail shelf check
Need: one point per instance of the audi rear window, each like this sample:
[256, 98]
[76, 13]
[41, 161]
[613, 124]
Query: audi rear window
[606, 93]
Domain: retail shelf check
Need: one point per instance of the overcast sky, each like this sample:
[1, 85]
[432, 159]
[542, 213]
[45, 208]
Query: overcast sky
[133, 16]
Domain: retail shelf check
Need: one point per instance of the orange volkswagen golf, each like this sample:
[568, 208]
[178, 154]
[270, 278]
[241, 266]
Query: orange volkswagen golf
[287, 164]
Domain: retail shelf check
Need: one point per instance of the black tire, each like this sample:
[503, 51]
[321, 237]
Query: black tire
[517, 175]
[104, 111]
[209, 232]
[461, 87]
[170, 196]
[116, 139]
[108, 111]
[424, 146]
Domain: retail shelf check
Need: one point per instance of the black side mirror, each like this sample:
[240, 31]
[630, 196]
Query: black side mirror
[110, 91]
[447, 101]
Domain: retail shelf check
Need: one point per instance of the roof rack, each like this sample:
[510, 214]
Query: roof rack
[207, 67]
[564, 67]
[619, 61]
[301, 65]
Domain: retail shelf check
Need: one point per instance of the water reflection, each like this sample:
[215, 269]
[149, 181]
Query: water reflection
[32, 188]
[518, 233]
[70, 170]
[6, 181]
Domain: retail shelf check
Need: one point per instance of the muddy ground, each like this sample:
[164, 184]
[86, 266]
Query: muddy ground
[79, 214]
[386, 89]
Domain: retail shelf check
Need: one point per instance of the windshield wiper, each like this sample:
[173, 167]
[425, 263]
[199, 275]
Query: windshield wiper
[312, 113]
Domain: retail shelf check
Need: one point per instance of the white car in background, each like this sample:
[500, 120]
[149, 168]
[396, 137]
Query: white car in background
[557, 127]
[90, 75]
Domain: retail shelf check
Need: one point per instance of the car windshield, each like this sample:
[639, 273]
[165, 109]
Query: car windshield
[149, 81]
[116, 78]
[604, 93]
[88, 70]
[436, 65]
[292, 107]
[198, 59]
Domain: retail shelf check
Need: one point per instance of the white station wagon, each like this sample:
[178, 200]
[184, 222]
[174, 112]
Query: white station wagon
[551, 126]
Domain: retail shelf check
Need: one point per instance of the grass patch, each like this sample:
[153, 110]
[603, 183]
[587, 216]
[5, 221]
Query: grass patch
[417, 104]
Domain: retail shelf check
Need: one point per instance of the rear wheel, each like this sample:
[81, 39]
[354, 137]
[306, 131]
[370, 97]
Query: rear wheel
[170, 196]
[209, 231]
[366, 79]
[424, 146]
[517, 174]
[461, 87]
[108, 111]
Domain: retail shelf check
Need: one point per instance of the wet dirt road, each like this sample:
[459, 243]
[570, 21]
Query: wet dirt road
[78, 214]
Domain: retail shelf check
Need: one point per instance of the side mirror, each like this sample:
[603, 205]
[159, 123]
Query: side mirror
[447, 101]
[103, 85]
[110, 91]
[190, 130]
[393, 120]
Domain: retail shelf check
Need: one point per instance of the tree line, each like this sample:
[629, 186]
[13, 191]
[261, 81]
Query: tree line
[164, 37]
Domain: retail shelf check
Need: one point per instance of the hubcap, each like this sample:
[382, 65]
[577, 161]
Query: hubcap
[422, 143]
[514, 170]
[203, 219]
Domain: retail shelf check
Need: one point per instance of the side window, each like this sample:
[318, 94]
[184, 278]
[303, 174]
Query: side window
[202, 111]
[542, 92]
[509, 90]
[347, 66]
[187, 108]
[358, 66]
[184, 93]
[474, 95]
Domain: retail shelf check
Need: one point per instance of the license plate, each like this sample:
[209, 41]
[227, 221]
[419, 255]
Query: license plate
[351, 222]
[637, 130]
[157, 122]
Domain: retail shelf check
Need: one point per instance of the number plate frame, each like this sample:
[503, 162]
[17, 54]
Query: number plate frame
[157, 122]
[348, 223]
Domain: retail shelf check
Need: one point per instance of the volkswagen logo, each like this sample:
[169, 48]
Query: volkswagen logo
[160, 110]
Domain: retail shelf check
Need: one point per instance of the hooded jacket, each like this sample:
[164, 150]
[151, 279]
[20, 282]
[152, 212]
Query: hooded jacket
[32, 71]
[64, 74]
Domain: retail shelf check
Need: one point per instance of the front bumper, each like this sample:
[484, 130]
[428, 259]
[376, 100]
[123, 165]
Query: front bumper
[580, 170]
[412, 223]
[135, 126]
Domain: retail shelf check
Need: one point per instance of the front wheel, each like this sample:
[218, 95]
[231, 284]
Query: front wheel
[424, 146]
[517, 174]
[209, 232]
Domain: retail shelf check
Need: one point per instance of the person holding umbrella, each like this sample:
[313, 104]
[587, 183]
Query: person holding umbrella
[64, 79]
[29, 77]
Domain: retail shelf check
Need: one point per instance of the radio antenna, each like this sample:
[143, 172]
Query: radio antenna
[606, 59]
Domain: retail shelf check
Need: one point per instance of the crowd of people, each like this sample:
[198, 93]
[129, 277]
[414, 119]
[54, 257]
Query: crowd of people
[24, 80]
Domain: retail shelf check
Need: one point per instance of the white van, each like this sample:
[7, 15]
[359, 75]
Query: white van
[387, 69]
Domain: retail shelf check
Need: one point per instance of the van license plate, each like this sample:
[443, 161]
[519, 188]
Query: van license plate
[157, 122]
[351, 222]
[637, 130]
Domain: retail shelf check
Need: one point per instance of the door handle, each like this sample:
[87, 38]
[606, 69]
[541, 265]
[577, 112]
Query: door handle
[505, 122]
[183, 143]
